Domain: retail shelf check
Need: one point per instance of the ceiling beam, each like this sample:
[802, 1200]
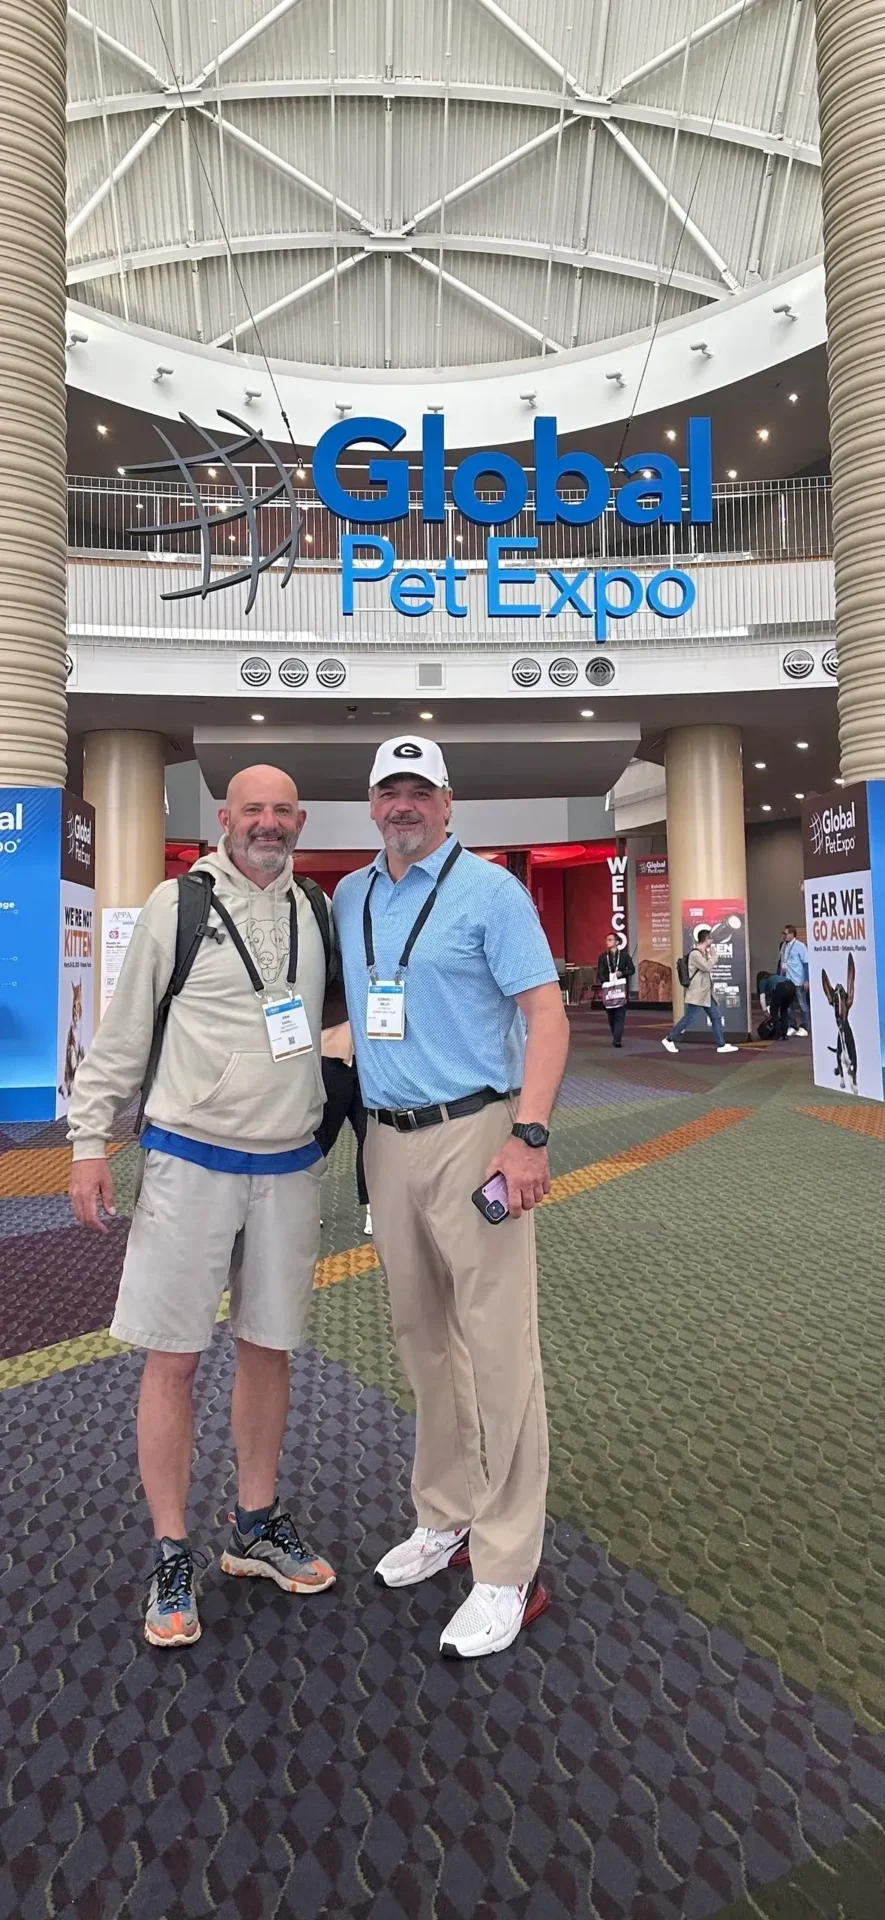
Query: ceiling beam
[543, 98]
[244, 40]
[119, 50]
[532, 46]
[277, 164]
[458, 285]
[288, 300]
[680, 215]
[480, 179]
[737, 11]
[86, 271]
[118, 172]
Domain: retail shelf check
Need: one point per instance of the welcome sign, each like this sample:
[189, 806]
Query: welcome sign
[654, 492]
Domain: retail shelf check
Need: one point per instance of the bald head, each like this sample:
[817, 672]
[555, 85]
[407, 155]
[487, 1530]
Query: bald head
[262, 819]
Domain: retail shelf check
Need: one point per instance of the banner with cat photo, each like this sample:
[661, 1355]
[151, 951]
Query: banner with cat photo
[76, 943]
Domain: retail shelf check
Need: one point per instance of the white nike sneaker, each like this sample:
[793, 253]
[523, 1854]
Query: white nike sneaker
[763, 1002]
[490, 1620]
[425, 1553]
[368, 1222]
[801, 1033]
[670, 1046]
[728, 1048]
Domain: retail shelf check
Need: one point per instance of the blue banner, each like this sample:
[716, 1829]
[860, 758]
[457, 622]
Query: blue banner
[30, 869]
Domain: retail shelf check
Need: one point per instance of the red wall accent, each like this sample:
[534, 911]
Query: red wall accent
[588, 909]
[548, 892]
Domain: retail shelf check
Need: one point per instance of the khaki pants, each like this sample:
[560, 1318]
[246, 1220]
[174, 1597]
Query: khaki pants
[464, 1301]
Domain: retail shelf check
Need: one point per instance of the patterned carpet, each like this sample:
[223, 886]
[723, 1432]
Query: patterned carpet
[695, 1728]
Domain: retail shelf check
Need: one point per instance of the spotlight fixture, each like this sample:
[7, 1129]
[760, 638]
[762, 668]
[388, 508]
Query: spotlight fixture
[732, 473]
[162, 373]
[103, 431]
[439, 409]
[617, 378]
[77, 339]
[760, 765]
[122, 472]
[256, 716]
[343, 407]
[701, 347]
[785, 310]
[802, 745]
[670, 433]
[763, 433]
[251, 394]
[300, 471]
[765, 807]
[529, 398]
[586, 713]
[426, 715]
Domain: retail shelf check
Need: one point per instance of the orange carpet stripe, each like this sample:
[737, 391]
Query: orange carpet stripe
[632, 1159]
[866, 1120]
[24, 1368]
[28, 1171]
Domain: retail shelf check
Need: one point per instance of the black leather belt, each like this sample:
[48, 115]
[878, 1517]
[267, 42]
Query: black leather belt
[409, 1119]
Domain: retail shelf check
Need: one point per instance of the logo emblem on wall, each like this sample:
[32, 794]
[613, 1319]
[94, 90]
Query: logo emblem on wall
[816, 831]
[798, 663]
[563, 672]
[830, 662]
[209, 516]
[600, 673]
[254, 672]
[526, 673]
[331, 673]
[293, 672]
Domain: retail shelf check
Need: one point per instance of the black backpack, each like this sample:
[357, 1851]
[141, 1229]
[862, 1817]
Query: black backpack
[683, 971]
[195, 902]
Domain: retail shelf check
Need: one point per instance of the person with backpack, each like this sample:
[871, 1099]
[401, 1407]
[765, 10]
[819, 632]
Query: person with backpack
[695, 970]
[217, 1017]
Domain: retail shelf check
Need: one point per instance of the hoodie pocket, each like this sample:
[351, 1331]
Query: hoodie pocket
[259, 1099]
[206, 1099]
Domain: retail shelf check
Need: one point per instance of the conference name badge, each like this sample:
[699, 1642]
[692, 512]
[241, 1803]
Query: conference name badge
[386, 1010]
[287, 1027]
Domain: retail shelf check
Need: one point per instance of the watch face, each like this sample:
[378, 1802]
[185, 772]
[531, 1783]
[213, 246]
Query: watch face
[536, 1135]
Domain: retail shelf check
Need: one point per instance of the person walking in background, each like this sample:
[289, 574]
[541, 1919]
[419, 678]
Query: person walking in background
[344, 1102]
[700, 1000]
[614, 971]
[793, 964]
[461, 1040]
[781, 1002]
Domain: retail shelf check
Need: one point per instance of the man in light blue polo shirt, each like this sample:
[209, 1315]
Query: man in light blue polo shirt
[794, 964]
[461, 1041]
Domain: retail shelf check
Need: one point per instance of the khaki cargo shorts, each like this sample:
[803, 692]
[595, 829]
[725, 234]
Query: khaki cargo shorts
[195, 1232]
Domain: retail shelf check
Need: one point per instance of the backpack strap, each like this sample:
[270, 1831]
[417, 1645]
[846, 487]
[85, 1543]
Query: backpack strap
[320, 909]
[195, 901]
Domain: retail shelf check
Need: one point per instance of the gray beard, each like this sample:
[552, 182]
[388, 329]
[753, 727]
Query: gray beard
[267, 856]
[405, 839]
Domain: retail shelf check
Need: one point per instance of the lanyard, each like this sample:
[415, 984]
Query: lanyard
[243, 950]
[420, 923]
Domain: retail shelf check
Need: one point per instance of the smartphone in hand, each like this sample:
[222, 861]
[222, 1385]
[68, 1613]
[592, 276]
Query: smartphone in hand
[492, 1200]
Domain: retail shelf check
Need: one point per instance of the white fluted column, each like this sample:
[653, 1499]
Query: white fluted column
[851, 68]
[33, 513]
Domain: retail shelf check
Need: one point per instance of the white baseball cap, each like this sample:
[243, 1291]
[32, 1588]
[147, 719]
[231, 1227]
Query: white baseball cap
[409, 754]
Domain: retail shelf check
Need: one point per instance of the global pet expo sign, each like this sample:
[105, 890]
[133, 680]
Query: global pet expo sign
[47, 948]
[491, 489]
[844, 855]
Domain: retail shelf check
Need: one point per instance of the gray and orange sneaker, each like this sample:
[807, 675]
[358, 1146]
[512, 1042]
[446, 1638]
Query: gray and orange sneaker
[275, 1551]
[172, 1619]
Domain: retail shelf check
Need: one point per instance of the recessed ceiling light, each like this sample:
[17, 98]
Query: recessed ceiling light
[670, 433]
[647, 473]
[141, 506]
[232, 538]
[459, 539]
[838, 783]
[212, 472]
[104, 431]
[309, 539]
[792, 397]
[799, 796]
[802, 745]
[121, 471]
[765, 808]
[425, 715]
[256, 716]
[586, 713]
[763, 433]
[732, 473]
[760, 765]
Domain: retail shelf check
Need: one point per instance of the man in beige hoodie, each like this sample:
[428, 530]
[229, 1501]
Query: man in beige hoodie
[230, 1189]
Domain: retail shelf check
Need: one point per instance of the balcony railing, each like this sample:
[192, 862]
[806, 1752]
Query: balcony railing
[785, 520]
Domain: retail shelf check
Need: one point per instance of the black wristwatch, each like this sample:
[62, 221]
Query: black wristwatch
[532, 1132]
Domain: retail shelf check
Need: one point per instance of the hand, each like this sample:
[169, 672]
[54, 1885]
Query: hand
[526, 1171]
[91, 1182]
